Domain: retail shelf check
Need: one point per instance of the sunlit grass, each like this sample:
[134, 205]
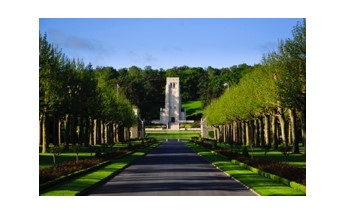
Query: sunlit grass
[192, 108]
[173, 134]
[75, 186]
[261, 185]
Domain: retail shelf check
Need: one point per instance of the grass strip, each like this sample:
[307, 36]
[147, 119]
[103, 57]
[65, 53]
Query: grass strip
[173, 134]
[292, 184]
[260, 184]
[45, 186]
[84, 183]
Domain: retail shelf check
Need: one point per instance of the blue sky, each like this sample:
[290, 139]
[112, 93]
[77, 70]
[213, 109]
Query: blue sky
[165, 43]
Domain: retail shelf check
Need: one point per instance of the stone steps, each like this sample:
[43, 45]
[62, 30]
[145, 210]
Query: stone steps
[174, 126]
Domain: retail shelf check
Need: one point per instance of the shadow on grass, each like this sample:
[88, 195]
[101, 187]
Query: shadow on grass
[260, 184]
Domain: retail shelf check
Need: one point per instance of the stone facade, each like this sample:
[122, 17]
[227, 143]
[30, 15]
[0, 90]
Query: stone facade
[173, 113]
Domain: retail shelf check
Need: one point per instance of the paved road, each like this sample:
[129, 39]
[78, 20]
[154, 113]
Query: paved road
[172, 169]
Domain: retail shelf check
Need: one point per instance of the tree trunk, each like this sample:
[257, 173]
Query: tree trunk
[254, 132]
[243, 132]
[239, 137]
[102, 137]
[246, 124]
[258, 133]
[121, 134]
[281, 119]
[116, 133]
[234, 132]
[215, 133]
[224, 133]
[67, 130]
[303, 130]
[266, 131]
[274, 132]
[293, 131]
[95, 130]
[262, 138]
[90, 131]
[44, 134]
[277, 135]
[59, 132]
[289, 137]
[105, 133]
[40, 128]
[78, 130]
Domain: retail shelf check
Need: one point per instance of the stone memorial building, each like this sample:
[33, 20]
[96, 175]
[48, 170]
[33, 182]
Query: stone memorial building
[172, 114]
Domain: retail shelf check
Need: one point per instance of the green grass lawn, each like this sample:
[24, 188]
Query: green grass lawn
[192, 108]
[46, 159]
[77, 185]
[173, 134]
[298, 160]
[262, 185]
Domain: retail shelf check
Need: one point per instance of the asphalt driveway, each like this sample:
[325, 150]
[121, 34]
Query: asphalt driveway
[172, 169]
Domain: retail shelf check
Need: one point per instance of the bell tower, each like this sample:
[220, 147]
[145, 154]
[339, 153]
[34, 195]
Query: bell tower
[172, 114]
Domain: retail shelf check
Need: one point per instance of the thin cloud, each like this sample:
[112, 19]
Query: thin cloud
[138, 58]
[133, 56]
[76, 43]
[84, 44]
[150, 58]
[269, 46]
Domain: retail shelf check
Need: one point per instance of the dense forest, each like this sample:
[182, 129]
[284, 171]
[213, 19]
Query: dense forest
[145, 88]
[267, 108]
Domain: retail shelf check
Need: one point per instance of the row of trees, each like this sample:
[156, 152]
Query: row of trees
[78, 104]
[268, 106]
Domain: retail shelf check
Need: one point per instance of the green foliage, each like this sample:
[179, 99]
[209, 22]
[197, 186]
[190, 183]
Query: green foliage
[211, 134]
[212, 85]
[72, 92]
[193, 109]
[292, 75]
[255, 94]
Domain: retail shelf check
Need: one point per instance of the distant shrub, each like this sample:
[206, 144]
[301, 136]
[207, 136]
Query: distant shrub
[211, 134]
